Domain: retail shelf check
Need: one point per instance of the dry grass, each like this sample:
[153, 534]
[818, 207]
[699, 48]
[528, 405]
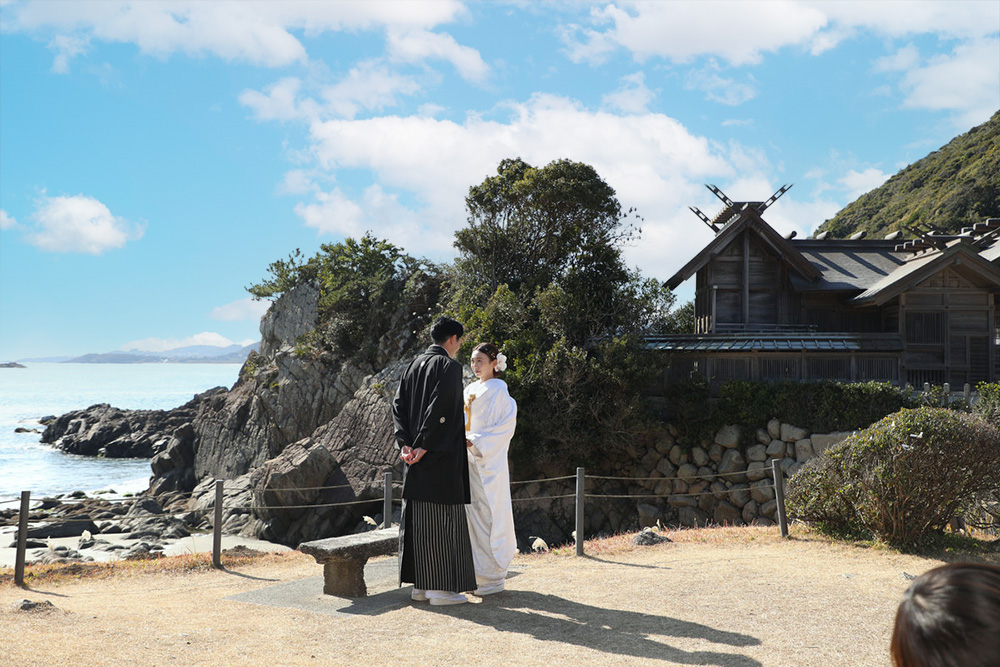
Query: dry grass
[722, 596]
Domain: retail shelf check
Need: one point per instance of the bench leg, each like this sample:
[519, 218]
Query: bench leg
[345, 577]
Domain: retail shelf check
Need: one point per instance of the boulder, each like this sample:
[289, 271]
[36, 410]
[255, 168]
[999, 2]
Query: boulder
[649, 537]
[692, 517]
[750, 511]
[822, 441]
[733, 462]
[648, 514]
[664, 443]
[791, 433]
[769, 508]
[677, 455]
[665, 468]
[758, 470]
[762, 491]
[803, 450]
[728, 436]
[688, 472]
[763, 437]
[699, 457]
[62, 528]
[775, 448]
[757, 453]
[739, 495]
[726, 514]
[715, 452]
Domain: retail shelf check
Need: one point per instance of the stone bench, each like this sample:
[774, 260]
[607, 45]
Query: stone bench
[344, 559]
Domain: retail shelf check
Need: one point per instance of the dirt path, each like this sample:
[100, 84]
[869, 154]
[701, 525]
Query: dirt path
[742, 597]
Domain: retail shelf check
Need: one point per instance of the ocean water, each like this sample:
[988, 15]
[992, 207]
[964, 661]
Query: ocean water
[27, 394]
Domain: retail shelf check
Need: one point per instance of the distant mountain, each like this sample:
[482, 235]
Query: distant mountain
[45, 360]
[954, 187]
[201, 354]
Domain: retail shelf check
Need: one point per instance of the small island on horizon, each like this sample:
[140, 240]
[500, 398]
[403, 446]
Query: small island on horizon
[11, 364]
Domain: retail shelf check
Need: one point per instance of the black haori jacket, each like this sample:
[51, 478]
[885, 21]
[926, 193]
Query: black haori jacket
[427, 412]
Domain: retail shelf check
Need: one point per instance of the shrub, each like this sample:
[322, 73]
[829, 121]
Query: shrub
[902, 478]
[820, 406]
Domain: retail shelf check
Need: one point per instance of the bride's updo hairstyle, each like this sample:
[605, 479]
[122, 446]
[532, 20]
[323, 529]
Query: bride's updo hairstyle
[491, 351]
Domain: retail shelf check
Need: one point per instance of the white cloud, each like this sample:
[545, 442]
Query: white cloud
[719, 89]
[966, 81]
[423, 168]
[367, 87]
[209, 338]
[79, 224]
[297, 182]
[738, 122]
[7, 221]
[900, 61]
[241, 309]
[857, 183]
[419, 45]
[736, 31]
[260, 33]
[370, 86]
[66, 48]
[632, 96]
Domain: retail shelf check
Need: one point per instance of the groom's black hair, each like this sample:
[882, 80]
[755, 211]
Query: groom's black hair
[444, 328]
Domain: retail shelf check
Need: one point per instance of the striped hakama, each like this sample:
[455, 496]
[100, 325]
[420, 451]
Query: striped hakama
[435, 552]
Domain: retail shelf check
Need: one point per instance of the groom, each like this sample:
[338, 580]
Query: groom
[435, 553]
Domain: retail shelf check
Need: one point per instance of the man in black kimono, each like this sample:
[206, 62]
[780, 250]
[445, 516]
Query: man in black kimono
[435, 553]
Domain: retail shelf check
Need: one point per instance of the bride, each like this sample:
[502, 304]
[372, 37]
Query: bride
[490, 418]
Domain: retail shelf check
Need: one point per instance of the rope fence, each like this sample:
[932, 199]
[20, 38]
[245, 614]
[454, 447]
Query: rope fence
[388, 500]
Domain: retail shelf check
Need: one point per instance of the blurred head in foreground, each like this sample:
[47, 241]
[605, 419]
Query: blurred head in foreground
[950, 617]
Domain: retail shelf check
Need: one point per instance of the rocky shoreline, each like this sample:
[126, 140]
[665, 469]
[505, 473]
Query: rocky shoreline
[75, 528]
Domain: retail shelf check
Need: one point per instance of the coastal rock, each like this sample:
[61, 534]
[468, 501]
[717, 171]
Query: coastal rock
[649, 537]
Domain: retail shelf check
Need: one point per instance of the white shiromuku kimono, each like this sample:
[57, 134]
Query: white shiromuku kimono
[491, 418]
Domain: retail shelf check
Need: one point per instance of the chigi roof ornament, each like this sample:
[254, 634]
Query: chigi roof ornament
[732, 208]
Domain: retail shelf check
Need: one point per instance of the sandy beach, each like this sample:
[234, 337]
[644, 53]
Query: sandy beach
[712, 597]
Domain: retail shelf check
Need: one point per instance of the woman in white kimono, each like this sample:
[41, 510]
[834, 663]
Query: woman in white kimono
[490, 418]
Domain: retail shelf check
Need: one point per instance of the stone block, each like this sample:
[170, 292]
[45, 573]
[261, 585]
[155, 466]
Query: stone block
[715, 452]
[719, 489]
[774, 429]
[692, 517]
[687, 472]
[664, 487]
[803, 450]
[733, 462]
[726, 514]
[769, 508]
[665, 468]
[680, 486]
[648, 514]
[707, 503]
[776, 448]
[699, 456]
[649, 460]
[706, 472]
[822, 441]
[757, 453]
[794, 468]
[761, 491]
[791, 433]
[786, 464]
[763, 437]
[739, 495]
[664, 444]
[682, 501]
[728, 436]
[758, 470]
[750, 511]
[677, 455]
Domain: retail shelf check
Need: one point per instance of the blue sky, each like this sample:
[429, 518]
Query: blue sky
[155, 157]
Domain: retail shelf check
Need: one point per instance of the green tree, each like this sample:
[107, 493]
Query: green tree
[540, 272]
[367, 287]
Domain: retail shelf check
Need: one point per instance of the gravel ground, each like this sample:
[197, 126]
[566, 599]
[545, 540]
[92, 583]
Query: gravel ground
[712, 597]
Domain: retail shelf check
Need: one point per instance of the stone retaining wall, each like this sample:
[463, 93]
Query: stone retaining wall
[678, 486]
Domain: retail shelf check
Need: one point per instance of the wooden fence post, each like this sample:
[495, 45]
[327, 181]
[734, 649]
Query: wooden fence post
[779, 495]
[579, 511]
[217, 527]
[22, 539]
[387, 500]
[967, 394]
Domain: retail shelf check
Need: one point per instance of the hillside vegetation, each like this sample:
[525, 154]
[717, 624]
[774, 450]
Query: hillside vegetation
[951, 188]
